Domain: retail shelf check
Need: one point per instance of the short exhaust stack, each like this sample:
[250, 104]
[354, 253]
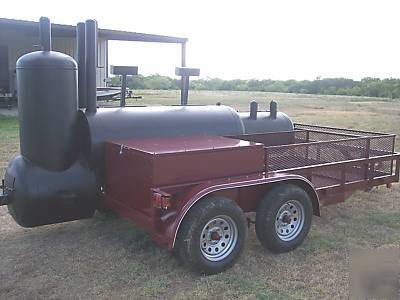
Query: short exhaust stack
[45, 34]
[273, 109]
[253, 110]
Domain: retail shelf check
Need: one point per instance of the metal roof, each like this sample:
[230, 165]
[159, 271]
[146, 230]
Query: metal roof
[60, 30]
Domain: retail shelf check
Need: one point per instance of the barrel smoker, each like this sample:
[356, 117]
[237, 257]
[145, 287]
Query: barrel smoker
[59, 175]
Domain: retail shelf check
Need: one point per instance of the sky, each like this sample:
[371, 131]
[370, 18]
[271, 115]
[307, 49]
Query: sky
[282, 39]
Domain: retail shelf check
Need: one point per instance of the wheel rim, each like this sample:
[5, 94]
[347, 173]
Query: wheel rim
[289, 220]
[218, 238]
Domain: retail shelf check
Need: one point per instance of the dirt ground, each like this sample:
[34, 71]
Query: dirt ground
[107, 257]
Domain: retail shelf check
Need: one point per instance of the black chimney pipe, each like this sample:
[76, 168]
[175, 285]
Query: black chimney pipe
[81, 55]
[273, 109]
[253, 110]
[45, 33]
[91, 65]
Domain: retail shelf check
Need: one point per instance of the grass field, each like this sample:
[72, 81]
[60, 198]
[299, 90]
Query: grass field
[107, 257]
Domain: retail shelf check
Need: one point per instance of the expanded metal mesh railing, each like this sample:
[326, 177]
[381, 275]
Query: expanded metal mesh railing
[327, 155]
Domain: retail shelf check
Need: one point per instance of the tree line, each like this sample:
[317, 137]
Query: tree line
[371, 87]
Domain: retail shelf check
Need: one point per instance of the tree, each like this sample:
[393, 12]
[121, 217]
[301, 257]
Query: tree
[368, 86]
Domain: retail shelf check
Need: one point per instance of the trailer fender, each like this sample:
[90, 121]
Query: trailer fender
[204, 190]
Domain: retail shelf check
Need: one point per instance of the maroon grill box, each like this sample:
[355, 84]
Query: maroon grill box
[134, 166]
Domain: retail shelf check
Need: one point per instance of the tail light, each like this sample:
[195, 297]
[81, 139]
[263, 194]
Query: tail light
[161, 200]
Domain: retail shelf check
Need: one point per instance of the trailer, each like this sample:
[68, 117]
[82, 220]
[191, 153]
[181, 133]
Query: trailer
[193, 176]
[195, 194]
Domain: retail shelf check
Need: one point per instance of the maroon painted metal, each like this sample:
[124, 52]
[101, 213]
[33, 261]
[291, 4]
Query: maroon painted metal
[155, 182]
[135, 167]
[165, 161]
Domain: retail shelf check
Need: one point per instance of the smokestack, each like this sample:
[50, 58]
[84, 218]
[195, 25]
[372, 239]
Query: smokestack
[91, 64]
[273, 109]
[81, 55]
[253, 110]
[45, 33]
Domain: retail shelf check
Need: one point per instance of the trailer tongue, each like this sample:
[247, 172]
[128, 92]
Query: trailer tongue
[190, 175]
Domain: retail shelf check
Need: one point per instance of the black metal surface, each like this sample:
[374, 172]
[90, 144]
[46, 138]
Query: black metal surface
[81, 55]
[273, 109]
[140, 122]
[264, 123]
[91, 65]
[48, 183]
[124, 70]
[41, 197]
[47, 108]
[45, 34]
[185, 73]
[123, 91]
[253, 110]
[185, 90]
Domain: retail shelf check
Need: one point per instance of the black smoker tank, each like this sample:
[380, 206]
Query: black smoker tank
[49, 182]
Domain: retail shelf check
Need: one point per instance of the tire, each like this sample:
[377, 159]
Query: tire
[283, 218]
[212, 236]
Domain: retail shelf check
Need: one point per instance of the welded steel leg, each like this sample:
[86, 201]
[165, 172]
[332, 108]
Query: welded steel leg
[123, 91]
[185, 90]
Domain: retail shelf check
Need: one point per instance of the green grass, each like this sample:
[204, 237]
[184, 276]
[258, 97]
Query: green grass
[387, 219]
[107, 257]
[9, 138]
[8, 128]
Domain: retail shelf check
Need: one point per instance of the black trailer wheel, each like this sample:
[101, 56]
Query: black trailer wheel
[212, 235]
[283, 218]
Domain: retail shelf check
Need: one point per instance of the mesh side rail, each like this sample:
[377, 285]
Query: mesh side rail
[339, 130]
[314, 153]
[320, 145]
[347, 172]
[381, 145]
[319, 136]
[297, 136]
